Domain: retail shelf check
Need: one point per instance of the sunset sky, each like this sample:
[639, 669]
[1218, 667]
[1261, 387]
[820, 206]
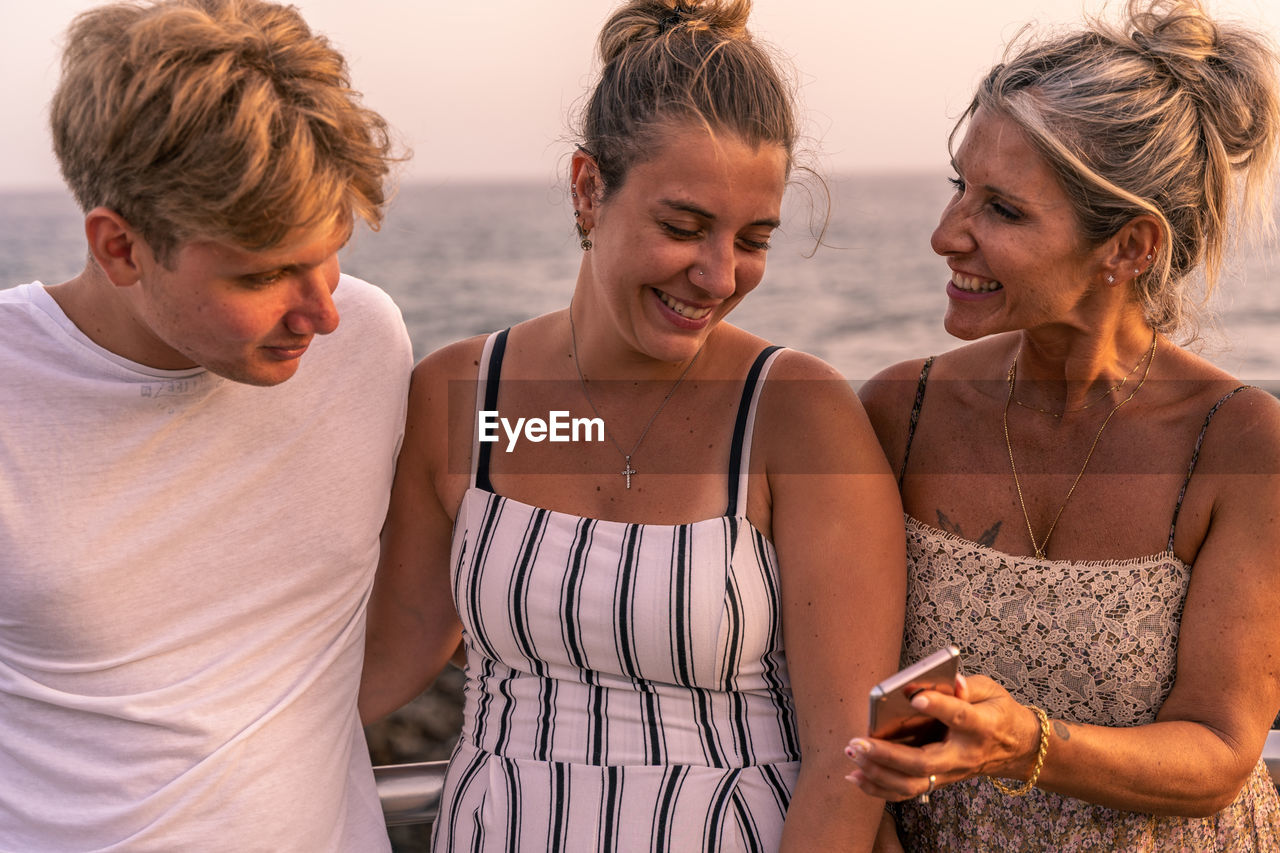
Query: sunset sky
[483, 90]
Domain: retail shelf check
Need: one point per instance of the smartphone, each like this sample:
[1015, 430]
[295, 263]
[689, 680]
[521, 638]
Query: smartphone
[893, 718]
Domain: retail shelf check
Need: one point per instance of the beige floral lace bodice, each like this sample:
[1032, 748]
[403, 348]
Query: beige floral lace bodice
[1090, 642]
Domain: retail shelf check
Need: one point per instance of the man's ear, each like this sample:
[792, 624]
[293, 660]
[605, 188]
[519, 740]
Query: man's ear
[113, 244]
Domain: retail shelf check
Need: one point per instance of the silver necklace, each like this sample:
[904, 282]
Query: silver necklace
[627, 470]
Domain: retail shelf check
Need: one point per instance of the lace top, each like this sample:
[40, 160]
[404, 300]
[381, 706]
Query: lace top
[1087, 641]
[1090, 642]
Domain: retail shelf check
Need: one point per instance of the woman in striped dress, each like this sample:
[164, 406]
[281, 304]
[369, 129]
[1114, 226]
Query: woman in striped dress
[655, 611]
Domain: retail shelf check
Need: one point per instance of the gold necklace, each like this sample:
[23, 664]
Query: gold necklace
[1013, 369]
[1104, 395]
[627, 471]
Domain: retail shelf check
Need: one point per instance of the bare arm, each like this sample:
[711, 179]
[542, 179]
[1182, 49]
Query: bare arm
[1209, 733]
[413, 627]
[837, 527]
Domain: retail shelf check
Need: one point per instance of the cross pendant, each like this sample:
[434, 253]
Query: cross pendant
[628, 471]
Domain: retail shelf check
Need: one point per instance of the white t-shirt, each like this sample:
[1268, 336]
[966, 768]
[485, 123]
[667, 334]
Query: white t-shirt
[184, 567]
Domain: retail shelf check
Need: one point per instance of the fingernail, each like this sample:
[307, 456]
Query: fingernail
[961, 680]
[920, 702]
[855, 777]
[857, 746]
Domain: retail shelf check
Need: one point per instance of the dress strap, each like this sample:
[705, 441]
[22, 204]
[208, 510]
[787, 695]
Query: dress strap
[1195, 457]
[486, 401]
[915, 417]
[744, 429]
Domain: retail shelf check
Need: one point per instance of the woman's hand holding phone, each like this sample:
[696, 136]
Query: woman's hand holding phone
[892, 716]
[985, 731]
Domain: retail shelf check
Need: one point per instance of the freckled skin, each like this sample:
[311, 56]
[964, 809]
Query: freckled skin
[703, 203]
[1011, 222]
[245, 315]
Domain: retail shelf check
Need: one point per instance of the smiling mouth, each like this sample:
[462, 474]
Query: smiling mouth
[973, 284]
[684, 309]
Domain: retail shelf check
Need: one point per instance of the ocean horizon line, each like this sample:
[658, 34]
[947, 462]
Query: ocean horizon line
[531, 181]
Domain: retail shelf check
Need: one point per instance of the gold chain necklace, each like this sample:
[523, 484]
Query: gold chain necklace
[627, 470]
[1104, 395]
[1013, 369]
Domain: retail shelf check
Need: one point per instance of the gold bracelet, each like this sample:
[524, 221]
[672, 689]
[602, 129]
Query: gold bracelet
[1035, 771]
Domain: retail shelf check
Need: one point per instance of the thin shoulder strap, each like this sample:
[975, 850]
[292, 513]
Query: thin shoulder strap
[744, 429]
[915, 417]
[1195, 457]
[486, 401]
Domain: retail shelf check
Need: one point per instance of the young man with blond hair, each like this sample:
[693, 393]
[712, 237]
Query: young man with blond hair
[195, 454]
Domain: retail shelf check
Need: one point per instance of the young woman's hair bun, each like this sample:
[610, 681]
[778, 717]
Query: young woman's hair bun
[647, 20]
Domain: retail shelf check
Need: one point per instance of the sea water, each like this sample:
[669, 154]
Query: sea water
[463, 259]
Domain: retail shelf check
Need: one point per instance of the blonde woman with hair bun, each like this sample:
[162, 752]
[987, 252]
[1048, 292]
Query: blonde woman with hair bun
[659, 649]
[1092, 509]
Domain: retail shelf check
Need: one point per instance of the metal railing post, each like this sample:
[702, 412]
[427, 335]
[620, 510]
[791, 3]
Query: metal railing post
[410, 793]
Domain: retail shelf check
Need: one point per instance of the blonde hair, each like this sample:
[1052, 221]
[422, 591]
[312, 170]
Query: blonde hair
[668, 61]
[214, 119]
[1170, 114]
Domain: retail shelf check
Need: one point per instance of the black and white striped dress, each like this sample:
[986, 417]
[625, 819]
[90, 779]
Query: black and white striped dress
[626, 684]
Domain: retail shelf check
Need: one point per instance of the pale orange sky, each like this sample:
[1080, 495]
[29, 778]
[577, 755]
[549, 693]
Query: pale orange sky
[482, 90]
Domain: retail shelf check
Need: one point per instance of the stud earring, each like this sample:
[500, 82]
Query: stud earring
[1111, 279]
[1148, 257]
[1137, 272]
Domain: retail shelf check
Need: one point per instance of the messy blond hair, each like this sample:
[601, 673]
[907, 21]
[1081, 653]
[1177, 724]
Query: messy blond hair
[214, 119]
[667, 61]
[1169, 114]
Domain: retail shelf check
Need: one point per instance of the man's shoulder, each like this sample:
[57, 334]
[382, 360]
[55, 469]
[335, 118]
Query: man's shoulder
[366, 300]
[369, 317]
[19, 294]
[27, 314]
[370, 350]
